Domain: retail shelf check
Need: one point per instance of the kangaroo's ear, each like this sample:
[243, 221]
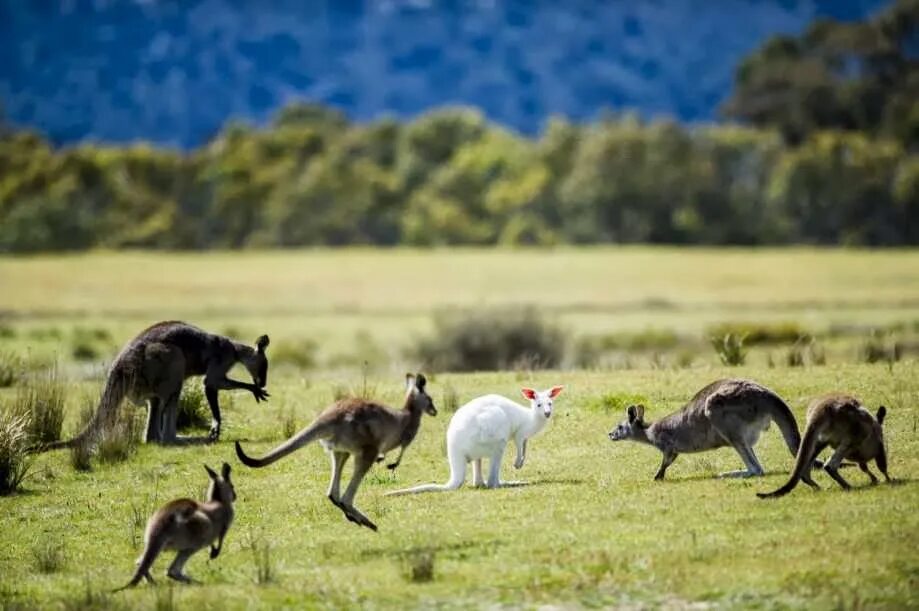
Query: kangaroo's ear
[225, 471]
[210, 472]
[409, 382]
[556, 391]
[882, 413]
[420, 381]
[529, 393]
[262, 343]
[630, 412]
[636, 413]
[640, 412]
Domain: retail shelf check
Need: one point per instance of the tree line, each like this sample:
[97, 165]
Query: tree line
[828, 156]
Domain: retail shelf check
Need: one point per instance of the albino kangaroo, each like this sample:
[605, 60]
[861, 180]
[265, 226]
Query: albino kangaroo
[724, 413]
[841, 422]
[154, 365]
[482, 428]
[187, 526]
[362, 428]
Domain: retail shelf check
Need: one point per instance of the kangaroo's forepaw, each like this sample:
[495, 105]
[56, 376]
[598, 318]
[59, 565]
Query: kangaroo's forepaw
[392, 466]
[518, 464]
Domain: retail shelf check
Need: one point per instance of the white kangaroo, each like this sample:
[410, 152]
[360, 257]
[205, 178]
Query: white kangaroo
[482, 428]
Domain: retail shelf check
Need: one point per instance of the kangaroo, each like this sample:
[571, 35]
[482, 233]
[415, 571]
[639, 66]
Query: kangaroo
[482, 429]
[187, 526]
[730, 412]
[362, 428]
[841, 422]
[154, 365]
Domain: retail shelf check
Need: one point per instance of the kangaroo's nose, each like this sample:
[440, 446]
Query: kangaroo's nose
[547, 414]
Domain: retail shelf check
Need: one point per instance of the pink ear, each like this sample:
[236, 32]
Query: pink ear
[529, 393]
[556, 391]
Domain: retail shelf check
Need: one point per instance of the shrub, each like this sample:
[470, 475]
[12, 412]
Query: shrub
[42, 398]
[730, 349]
[261, 560]
[89, 343]
[795, 356]
[450, 402]
[288, 423]
[760, 333]
[494, 340]
[7, 331]
[877, 349]
[614, 403]
[194, 412]
[14, 455]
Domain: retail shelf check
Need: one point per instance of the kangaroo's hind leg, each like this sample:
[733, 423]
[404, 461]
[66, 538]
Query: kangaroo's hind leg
[832, 465]
[362, 464]
[154, 421]
[176, 569]
[477, 480]
[494, 467]
[754, 469]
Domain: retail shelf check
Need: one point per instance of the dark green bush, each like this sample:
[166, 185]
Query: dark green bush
[490, 341]
[760, 333]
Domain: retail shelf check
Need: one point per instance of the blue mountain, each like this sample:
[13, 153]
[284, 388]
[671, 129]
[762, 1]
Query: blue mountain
[173, 72]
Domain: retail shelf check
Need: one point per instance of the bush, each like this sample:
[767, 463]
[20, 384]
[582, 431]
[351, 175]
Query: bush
[495, 340]
[42, 399]
[730, 349]
[878, 349]
[614, 403]
[419, 565]
[194, 412]
[14, 444]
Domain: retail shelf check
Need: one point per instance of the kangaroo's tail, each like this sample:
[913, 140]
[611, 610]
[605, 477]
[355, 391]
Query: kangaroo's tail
[311, 433]
[112, 396]
[785, 420]
[457, 477]
[153, 548]
[803, 463]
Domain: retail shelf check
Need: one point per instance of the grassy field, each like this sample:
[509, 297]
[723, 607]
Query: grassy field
[592, 529]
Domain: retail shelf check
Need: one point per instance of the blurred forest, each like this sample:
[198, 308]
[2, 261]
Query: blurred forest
[827, 156]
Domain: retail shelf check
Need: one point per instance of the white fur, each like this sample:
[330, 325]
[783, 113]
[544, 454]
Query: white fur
[482, 429]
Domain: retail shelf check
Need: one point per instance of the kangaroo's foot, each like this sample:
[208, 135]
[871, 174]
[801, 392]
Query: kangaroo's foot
[187, 441]
[358, 518]
[181, 577]
[514, 483]
[149, 577]
[740, 473]
[214, 434]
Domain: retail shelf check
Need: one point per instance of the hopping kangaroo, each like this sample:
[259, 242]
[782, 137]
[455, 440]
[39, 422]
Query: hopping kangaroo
[362, 428]
[154, 365]
[840, 422]
[187, 526]
[724, 413]
[482, 429]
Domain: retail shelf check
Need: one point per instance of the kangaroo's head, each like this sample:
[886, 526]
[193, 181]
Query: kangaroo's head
[256, 361]
[416, 398]
[541, 400]
[634, 425]
[881, 457]
[221, 488]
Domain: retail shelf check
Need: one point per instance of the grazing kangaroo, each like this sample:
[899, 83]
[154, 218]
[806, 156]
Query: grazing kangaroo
[154, 365]
[482, 429]
[841, 422]
[362, 428]
[725, 413]
[186, 526]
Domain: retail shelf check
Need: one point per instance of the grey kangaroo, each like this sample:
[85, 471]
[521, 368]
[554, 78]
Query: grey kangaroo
[730, 412]
[362, 428]
[153, 367]
[186, 526]
[841, 422]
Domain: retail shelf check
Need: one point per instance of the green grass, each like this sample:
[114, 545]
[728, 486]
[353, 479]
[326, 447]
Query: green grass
[593, 529]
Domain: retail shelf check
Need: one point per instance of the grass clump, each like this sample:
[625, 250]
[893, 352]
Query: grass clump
[42, 399]
[88, 344]
[490, 341]
[419, 565]
[14, 456]
[760, 333]
[10, 369]
[730, 349]
[48, 556]
[194, 412]
[614, 403]
[261, 560]
[120, 442]
[877, 349]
